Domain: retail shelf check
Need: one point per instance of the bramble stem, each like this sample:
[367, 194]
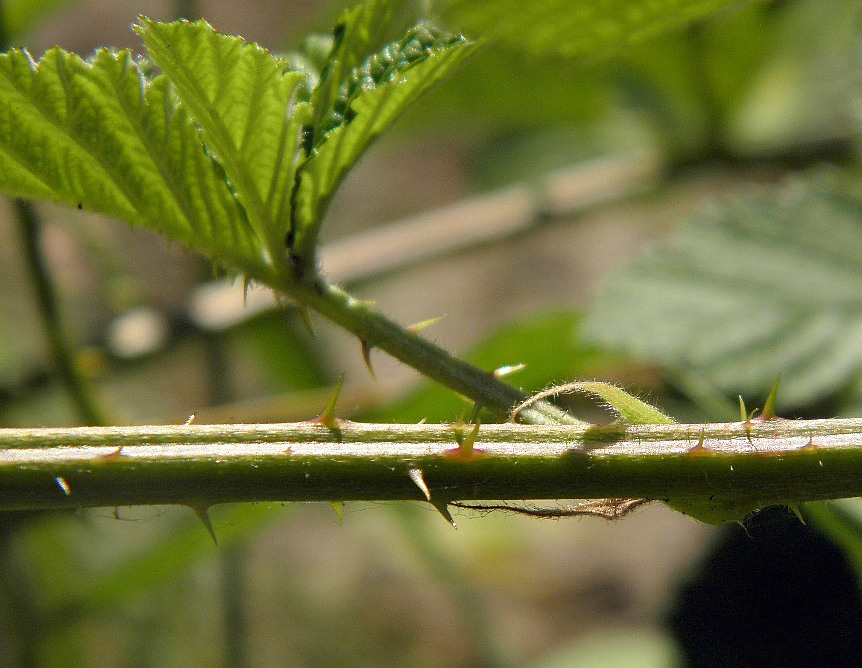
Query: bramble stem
[756, 464]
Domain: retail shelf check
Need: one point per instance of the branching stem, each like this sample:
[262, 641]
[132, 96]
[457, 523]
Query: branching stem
[375, 330]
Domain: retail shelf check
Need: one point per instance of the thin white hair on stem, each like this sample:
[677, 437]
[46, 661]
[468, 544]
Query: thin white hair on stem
[553, 391]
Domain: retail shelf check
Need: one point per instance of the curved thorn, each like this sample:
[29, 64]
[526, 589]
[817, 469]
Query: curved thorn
[768, 412]
[467, 442]
[303, 315]
[417, 477]
[366, 356]
[443, 508]
[700, 447]
[507, 370]
[424, 324]
[338, 507]
[327, 417]
[796, 511]
[201, 512]
[115, 454]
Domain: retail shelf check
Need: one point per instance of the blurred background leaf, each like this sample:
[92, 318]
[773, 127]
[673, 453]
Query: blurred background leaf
[749, 290]
[21, 16]
[587, 30]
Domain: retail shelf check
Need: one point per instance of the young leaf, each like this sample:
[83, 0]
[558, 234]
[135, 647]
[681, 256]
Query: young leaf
[629, 408]
[97, 135]
[747, 291]
[247, 107]
[574, 29]
[356, 34]
[375, 94]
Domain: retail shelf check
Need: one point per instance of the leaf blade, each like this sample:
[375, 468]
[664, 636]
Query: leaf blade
[96, 134]
[250, 113]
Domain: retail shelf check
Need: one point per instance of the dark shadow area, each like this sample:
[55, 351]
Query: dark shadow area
[776, 593]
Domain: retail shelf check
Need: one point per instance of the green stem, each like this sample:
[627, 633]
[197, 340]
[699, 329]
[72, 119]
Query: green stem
[377, 331]
[62, 351]
[744, 464]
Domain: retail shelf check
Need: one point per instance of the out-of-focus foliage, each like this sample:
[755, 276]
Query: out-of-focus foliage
[842, 521]
[750, 289]
[582, 30]
[19, 16]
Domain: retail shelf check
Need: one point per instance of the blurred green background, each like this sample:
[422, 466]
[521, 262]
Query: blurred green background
[728, 148]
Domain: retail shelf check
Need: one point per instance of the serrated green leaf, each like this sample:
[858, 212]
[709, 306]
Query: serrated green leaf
[371, 106]
[99, 136]
[746, 291]
[246, 105]
[573, 29]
